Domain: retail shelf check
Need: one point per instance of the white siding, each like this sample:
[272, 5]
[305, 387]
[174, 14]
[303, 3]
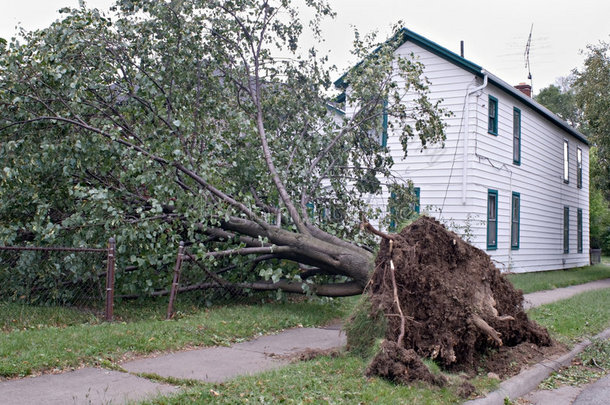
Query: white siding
[438, 172]
[538, 179]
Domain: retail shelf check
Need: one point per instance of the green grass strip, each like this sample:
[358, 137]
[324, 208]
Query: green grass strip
[323, 380]
[572, 319]
[549, 280]
[34, 349]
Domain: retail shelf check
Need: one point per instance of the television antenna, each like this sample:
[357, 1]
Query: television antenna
[526, 55]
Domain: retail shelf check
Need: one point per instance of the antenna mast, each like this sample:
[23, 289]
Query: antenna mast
[527, 58]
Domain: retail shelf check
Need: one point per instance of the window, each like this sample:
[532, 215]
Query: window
[383, 140]
[566, 229]
[492, 219]
[579, 230]
[578, 167]
[515, 221]
[416, 205]
[566, 161]
[492, 120]
[516, 136]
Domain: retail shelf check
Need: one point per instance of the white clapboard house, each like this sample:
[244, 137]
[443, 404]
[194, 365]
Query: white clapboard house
[513, 178]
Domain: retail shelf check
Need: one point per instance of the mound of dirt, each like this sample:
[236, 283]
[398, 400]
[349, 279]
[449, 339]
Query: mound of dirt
[400, 365]
[445, 299]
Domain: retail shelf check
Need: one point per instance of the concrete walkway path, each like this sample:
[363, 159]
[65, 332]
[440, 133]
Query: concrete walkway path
[84, 386]
[98, 386]
[94, 386]
[217, 364]
[546, 297]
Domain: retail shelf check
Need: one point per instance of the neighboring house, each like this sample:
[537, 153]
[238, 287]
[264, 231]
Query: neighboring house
[512, 178]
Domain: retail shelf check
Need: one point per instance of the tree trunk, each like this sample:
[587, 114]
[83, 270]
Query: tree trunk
[318, 249]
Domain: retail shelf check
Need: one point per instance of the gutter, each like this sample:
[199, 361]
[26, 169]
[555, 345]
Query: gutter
[467, 134]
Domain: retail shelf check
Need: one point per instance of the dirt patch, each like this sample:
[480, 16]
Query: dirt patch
[444, 299]
[311, 354]
[508, 361]
[400, 365]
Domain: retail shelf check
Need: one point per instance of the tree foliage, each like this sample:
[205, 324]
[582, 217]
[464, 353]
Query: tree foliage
[592, 88]
[583, 99]
[560, 99]
[185, 120]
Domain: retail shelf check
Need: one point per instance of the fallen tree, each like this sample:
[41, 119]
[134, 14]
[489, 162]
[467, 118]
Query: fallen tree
[201, 121]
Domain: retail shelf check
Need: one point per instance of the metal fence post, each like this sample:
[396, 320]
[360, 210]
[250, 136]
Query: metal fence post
[110, 279]
[175, 282]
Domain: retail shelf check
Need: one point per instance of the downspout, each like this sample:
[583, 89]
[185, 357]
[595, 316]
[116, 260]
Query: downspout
[467, 134]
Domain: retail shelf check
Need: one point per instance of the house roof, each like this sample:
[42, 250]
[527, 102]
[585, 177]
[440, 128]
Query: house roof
[407, 35]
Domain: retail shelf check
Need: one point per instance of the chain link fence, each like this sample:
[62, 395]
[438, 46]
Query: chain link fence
[81, 278]
[33, 277]
[191, 276]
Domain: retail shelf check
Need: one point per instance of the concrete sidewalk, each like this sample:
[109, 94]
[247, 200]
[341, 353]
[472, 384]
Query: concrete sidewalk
[215, 364]
[597, 393]
[93, 386]
[546, 297]
[84, 386]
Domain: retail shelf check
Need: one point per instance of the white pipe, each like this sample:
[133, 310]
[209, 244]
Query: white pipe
[467, 134]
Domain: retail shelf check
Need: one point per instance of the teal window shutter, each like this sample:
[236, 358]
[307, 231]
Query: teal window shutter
[579, 230]
[566, 229]
[515, 224]
[516, 136]
[310, 209]
[492, 116]
[492, 219]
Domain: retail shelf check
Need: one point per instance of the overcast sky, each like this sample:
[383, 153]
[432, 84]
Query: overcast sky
[495, 32]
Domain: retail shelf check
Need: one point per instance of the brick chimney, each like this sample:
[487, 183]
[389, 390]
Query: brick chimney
[525, 89]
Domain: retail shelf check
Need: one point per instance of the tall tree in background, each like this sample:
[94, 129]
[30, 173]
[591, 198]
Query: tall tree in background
[177, 121]
[592, 89]
[583, 100]
[560, 99]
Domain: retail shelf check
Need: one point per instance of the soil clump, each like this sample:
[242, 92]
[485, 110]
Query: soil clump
[395, 363]
[443, 299]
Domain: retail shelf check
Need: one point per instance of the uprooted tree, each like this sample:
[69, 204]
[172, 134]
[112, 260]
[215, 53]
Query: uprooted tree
[202, 121]
[433, 295]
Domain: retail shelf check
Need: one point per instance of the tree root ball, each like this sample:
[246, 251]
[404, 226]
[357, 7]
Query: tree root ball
[454, 303]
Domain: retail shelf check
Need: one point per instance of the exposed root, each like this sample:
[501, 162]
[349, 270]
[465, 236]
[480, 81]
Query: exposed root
[488, 330]
[401, 336]
[366, 225]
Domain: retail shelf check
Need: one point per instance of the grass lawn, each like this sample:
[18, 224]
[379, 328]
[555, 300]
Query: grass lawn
[329, 380]
[324, 380]
[49, 339]
[569, 320]
[548, 280]
[38, 339]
